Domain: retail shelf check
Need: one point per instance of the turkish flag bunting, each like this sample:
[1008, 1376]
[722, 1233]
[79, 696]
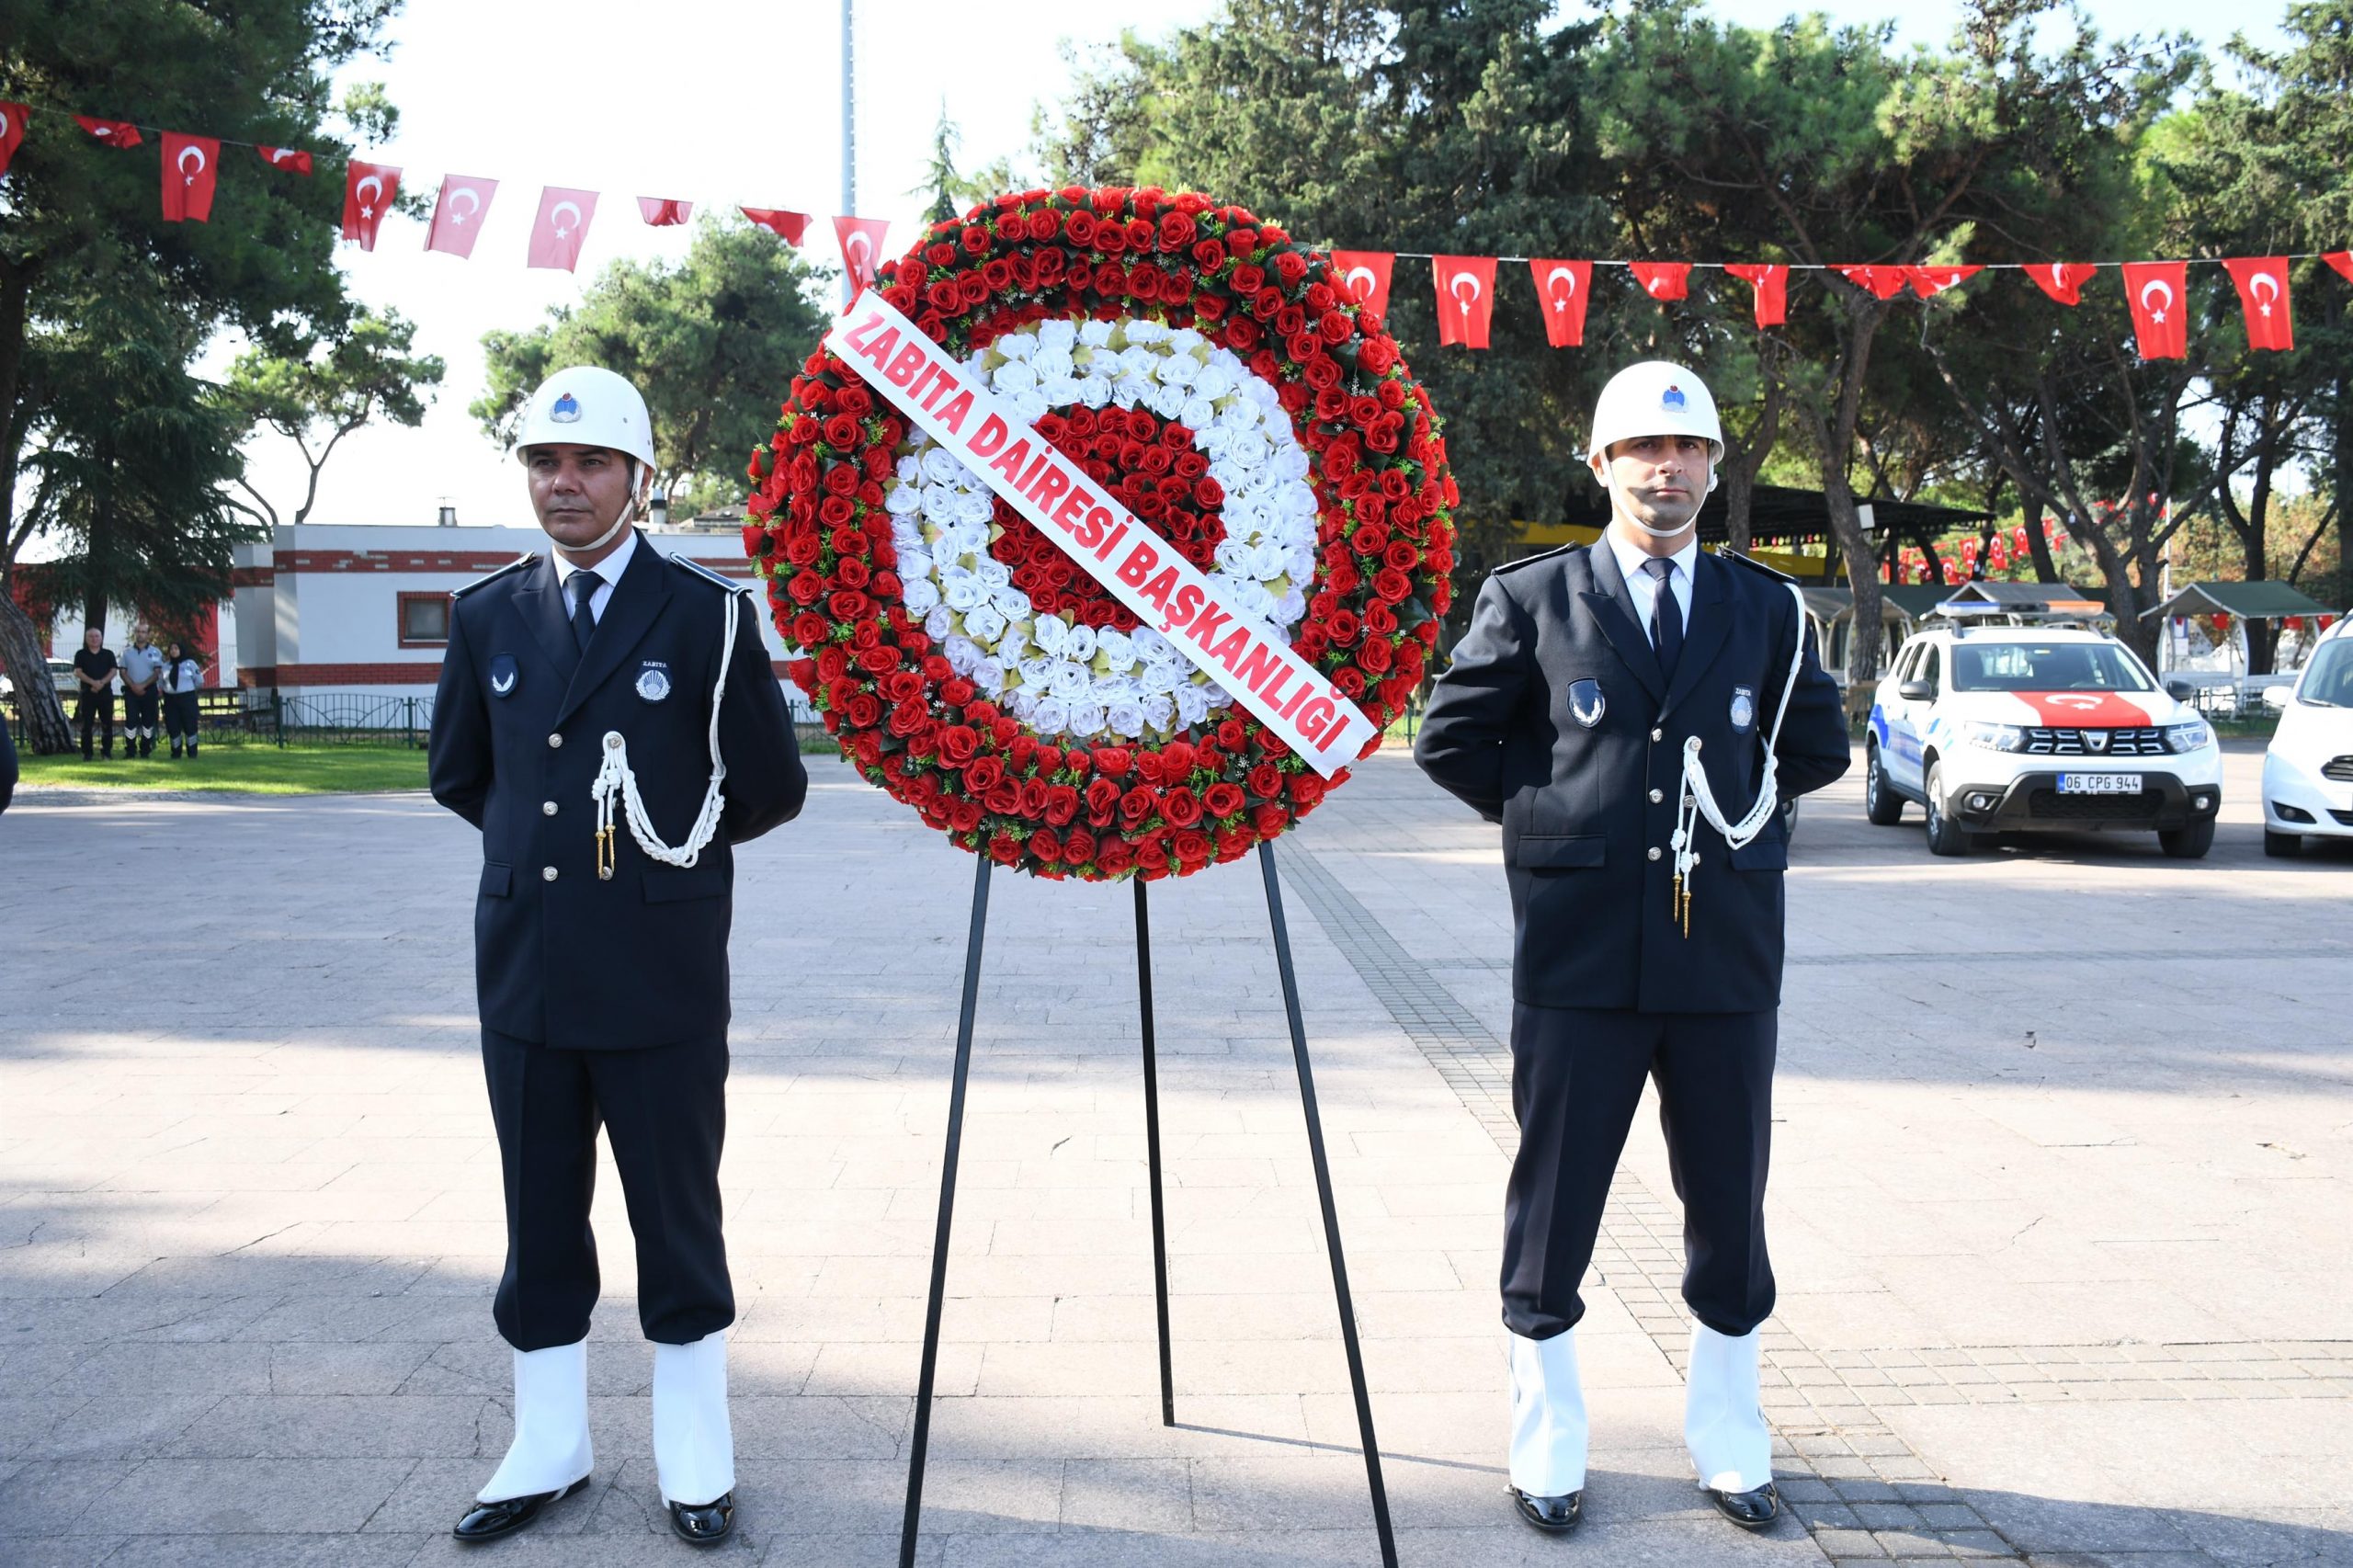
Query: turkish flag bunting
[1563, 285]
[1466, 298]
[1930, 281]
[664, 211]
[1771, 285]
[368, 192]
[2063, 280]
[1662, 279]
[561, 226]
[113, 132]
[2262, 296]
[1364, 277]
[191, 163]
[12, 131]
[1884, 282]
[861, 243]
[286, 158]
[2342, 260]
[2160, 316]
[786, 226]
[457, 213]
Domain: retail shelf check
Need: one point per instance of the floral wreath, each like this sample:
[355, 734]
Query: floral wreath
[1222, 384]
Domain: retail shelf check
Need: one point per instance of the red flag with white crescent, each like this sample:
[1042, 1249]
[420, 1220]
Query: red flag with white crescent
[368, 192]
[2262, 296]
[860, 240]
[665, 211]
[562, 227]
[2063, 280]
[1466, 298]
[1564, 287]
[113, 132]
[2342, 260]
[1364, 277]
[1662, 279]
[2157, 291]
[457, 213]
[12, 131]
[786, 226]
[1883, 282]
[1770, 283]
[191, 165]
[292, 158]
[1930, 281]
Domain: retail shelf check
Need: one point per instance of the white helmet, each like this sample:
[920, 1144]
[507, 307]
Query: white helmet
[590, 407]
[1655, 398]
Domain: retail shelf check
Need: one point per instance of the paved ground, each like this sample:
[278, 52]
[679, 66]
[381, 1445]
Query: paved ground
[2059, 1205]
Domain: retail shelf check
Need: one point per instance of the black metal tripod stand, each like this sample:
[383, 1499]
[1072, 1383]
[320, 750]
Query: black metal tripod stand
[1159, 1228]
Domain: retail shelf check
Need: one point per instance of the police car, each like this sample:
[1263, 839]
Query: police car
[2009, 729]
[2308, 771]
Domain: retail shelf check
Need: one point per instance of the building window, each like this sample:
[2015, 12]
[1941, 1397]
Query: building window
[424, 621]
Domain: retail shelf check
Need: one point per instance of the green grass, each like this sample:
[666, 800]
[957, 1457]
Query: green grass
[247, 769]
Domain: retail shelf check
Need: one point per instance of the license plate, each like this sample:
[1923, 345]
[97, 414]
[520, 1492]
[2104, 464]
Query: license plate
[2099, 783]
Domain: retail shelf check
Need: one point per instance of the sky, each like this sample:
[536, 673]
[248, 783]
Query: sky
[725, 103]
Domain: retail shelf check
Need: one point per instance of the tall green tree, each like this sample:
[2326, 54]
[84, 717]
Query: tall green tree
[710, 342]
[317, 393]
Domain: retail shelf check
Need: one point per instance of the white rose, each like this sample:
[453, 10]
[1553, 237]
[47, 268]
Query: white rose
[1095, 392]
[1037, 674]
[1093, 334]
[1070, 682]
[1126, 719]
[1079, 646]
[1115, 649]
[1012, 377]
[938, 623]
[909, 470]
[961, 654]
[1030, 405]
[1164, 400]
[1184, 340]
[989, 676]
[1051, 364]
[1293, 606]
[1016, 345]
[1051, 717]
[1176, 370]
[1049, 632]
[963, 592]
[1142, 330]
[903, 500]
[920, 594]
[994, 573]
[1192, 706]
[1157, 712]
[983, 624]
[940, 466]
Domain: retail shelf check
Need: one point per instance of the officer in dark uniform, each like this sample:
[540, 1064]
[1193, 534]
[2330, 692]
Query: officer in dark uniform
[1614, 708]
[574, 727]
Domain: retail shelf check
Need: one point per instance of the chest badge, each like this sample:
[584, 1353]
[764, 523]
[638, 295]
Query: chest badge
[504, 676]
[1586, 704]
[1743, 709]
[653, 683]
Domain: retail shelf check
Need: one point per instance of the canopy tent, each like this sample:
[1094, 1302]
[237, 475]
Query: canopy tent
[2250, 601]
[1899, 603]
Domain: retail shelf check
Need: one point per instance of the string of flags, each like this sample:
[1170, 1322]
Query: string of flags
[1464, 285]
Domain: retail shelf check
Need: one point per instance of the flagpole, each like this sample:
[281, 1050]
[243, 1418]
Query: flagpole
[849, 130]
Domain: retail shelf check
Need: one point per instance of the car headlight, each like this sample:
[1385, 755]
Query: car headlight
[1995, 737]
[2191, 736]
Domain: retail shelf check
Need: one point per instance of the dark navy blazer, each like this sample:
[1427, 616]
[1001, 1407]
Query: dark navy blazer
[519, 726]
[1554, 720]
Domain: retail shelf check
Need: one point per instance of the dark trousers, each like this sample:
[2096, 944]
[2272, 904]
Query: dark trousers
[138, 714]
[180, 718]
[664, 1112]
[1576, 1078]
[100, 706]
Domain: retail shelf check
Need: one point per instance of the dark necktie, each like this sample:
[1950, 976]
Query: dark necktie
[1666, 616]
[583, 587]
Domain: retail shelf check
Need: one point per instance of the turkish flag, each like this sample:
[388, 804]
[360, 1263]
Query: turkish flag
[113, 132]
[368, 192]
[1884, 282]
[191, 163]
[2063, 280]
[457, 213]
[2342, 260]
[1662, 279]
[786, 226]
[664, 211]
[286, 158]
[2263, 298]
[1364, 277]
[1770, 283]
[1930, 281]
[12, 131]
[860, 240]
[1563, 285]
[1466, 298]
[2155, 291]
[557, 233]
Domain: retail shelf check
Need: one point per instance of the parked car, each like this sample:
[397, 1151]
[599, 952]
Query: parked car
[2308, 770]
[61, 676]
[2009, 729]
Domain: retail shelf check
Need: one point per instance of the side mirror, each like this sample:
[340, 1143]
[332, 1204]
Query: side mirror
[2180, 690]
[1917, 691]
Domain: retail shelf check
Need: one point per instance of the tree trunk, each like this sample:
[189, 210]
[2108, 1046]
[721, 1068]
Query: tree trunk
[1740, 487]
[46, 730]
[2343, 420]
[2262, 636]
[2037, 544]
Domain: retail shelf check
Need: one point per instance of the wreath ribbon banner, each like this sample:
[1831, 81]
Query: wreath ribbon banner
[896, 357]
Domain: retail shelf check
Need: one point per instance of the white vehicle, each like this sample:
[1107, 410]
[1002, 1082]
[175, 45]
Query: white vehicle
[2308, 771]
[2011, 729]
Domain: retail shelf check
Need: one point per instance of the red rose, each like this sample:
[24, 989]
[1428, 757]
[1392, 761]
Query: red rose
[863, 711]
[1045, 846]
[808, 629]
[806, 587]
[981, 775]
[842, 479]
[1062, 804]
[842, 431]
[1137, 806]
[1114, 856]
[958, 743]
[1112, 762]
[1265, 781]
[1005, 850]
[1375, 656]
[1306, 789]
[1078, 846]
[1102, 800]
[1222, 799]
[1182, 807]
[1192, 848]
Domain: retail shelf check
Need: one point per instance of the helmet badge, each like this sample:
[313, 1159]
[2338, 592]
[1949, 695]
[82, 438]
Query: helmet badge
[1672, 399]
[566, 410]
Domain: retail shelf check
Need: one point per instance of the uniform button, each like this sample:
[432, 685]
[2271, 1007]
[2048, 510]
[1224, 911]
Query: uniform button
[546, 807]
[1653, 856]
[1657, 796]
[547, 873]
[1655, 735]
[555, 740]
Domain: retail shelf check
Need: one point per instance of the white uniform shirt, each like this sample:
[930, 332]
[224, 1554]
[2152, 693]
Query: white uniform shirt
[610, 569]
[1643, 587]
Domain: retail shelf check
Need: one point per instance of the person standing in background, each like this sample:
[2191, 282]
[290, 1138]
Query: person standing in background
[143, 664]
[94, 667]
[183, 677]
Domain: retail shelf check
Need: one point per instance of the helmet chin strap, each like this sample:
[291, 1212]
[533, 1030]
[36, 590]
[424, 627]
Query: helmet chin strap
[1620, 509]
[629, 515]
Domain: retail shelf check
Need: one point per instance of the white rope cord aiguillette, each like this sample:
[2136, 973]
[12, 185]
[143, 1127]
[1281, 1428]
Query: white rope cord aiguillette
[1700, 800]
[614, 783]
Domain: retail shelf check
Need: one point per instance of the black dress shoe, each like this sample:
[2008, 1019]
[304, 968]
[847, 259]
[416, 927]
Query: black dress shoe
[704, 1524]
[488, 1521]
[1553, 1513]
[1751, 1510]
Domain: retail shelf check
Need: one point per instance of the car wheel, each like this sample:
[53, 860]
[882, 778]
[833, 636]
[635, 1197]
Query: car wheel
[1882, 807]
[2188, 843]
[1946, 836]
[2282, 845]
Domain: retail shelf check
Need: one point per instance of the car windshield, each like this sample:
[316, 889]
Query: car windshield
[2329, 678]
[2045, 666]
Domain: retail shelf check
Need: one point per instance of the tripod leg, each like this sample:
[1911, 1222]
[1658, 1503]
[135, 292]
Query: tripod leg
[1152, 1155]
[1331, 1216]
[922, 1440]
